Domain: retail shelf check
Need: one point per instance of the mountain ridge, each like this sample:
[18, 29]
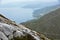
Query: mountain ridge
[47, 24]
[40, 12]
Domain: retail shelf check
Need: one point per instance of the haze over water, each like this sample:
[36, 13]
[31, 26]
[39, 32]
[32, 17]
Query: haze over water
[13, 9]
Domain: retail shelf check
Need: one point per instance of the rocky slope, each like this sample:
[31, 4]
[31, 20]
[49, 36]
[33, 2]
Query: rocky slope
[9, 30]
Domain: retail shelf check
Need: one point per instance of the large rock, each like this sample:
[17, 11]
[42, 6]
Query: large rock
[9, 31]
[2, 36]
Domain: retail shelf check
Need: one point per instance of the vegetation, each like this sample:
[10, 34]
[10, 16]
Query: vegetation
[49, 24]
[45, 10]
[27, 37]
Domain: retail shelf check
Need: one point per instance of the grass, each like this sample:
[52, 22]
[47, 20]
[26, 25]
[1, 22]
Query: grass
[49, 24]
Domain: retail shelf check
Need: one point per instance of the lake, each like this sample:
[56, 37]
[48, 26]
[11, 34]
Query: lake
[17, 14]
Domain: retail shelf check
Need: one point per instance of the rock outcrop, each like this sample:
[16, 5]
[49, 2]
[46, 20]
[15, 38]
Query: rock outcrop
[9, 30]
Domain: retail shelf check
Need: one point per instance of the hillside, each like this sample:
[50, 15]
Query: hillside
[48, 24]
[40, 12]
[9, 30]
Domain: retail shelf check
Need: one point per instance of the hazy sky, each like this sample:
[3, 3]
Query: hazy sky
[9, 1]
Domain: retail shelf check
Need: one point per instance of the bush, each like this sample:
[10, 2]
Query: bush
[27, 37]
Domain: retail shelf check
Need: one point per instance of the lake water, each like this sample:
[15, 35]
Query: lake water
[17, 14]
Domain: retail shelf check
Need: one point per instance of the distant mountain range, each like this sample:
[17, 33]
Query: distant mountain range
[40, 12]
[31, 5]
[48, 24]
[34, 5]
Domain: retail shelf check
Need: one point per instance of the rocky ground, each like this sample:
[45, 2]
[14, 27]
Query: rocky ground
[9, 30]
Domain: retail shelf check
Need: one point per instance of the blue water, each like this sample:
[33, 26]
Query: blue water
[17, 14]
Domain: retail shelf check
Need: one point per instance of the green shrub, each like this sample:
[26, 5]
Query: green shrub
[27, 37]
